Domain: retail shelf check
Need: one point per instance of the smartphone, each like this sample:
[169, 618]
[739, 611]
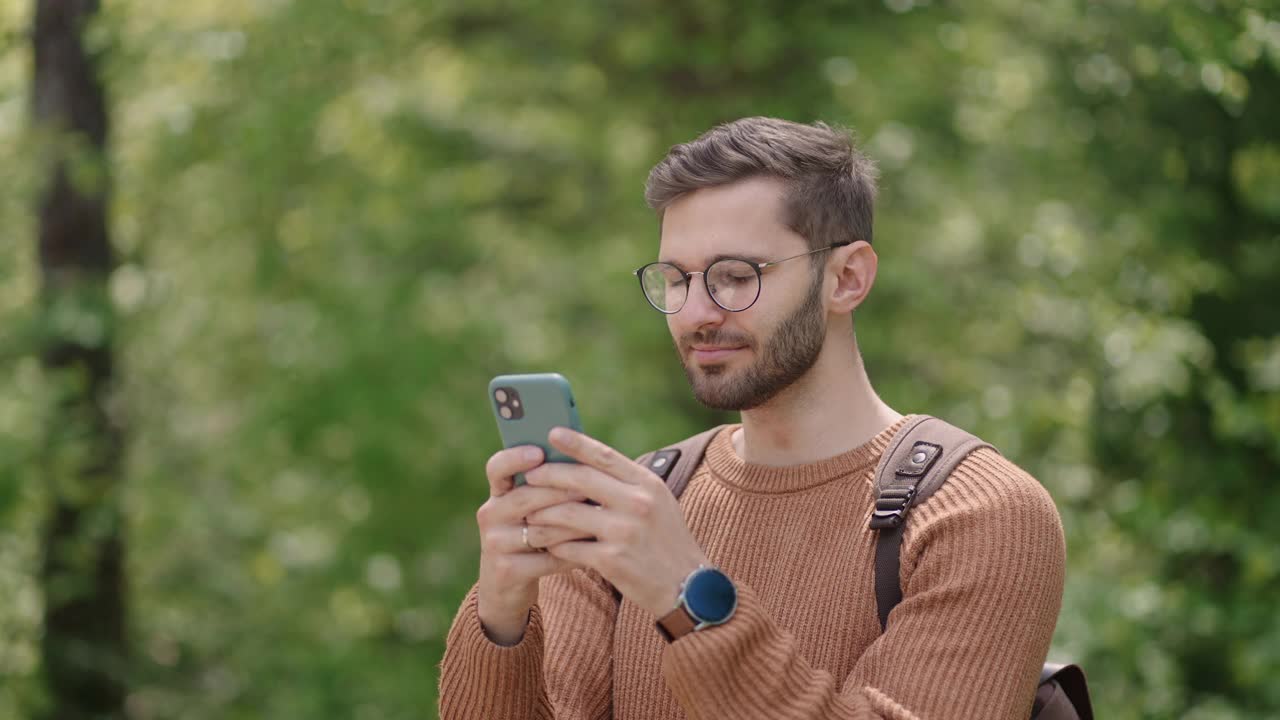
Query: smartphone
[528, 406]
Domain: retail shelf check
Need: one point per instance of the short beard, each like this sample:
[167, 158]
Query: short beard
[787, 355]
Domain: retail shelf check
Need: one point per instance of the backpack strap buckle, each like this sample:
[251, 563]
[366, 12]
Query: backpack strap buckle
[894, 500]
[891, 506]
[663, 461]
[917, 462]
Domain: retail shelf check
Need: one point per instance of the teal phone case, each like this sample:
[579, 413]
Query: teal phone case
[545, 401]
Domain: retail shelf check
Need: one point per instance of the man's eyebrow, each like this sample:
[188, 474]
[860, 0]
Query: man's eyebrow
[757, 259]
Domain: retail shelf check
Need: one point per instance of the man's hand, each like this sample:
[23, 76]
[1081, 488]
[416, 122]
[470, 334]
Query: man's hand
[509, 570]
[642, 547]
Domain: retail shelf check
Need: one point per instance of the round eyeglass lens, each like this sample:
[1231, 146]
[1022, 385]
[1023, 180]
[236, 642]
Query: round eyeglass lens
[734, 284]
[665, 286]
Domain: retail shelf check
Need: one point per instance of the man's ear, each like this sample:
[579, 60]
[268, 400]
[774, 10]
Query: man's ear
[854, 266]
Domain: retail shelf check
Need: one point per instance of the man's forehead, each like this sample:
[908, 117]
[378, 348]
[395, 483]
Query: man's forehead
[697, 252]
[743, 219]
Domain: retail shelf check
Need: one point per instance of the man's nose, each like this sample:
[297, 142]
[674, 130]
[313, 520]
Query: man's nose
[699, 309]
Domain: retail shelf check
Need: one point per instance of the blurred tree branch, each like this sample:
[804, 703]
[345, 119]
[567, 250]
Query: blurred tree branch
[83, 644]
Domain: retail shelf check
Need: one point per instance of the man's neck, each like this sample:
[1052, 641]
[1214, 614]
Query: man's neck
[829, 411]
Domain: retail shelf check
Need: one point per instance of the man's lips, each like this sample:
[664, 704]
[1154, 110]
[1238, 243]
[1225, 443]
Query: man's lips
[708, 353]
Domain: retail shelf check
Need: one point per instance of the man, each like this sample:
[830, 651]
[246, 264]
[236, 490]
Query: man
[560, 626]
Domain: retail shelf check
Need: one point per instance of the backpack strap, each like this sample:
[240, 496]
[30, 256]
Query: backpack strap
[1063, 693]
[916, 463]
[675, 464]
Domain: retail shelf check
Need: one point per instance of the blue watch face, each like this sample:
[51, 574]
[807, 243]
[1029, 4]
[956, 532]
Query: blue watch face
[710, 596]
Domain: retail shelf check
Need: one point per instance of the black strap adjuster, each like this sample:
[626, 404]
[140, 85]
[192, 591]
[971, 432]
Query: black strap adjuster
[891, 506]
[894, 501]
[662, 462]
[918, 461]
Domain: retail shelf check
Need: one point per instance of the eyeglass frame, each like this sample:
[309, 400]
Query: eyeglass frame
[688, 274]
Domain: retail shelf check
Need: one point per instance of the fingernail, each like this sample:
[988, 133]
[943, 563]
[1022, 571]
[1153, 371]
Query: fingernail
[531, 453]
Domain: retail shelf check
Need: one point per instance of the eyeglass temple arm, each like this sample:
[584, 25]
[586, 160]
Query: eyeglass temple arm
[832, 246]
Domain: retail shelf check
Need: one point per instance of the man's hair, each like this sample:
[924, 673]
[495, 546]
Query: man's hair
[830, 185]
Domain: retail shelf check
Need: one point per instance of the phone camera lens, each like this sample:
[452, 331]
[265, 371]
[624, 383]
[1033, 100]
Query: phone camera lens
[507, 401]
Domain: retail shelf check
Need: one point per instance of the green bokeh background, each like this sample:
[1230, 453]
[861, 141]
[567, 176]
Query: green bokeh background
[337, 220]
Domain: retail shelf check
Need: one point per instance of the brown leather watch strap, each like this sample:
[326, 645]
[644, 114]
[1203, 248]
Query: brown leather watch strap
[676, 624]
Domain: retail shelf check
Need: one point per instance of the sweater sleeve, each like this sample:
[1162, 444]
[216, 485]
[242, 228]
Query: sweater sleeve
[982, 572]
[560, 670]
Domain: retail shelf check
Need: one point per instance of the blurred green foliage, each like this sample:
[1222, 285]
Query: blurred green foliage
[337, 220]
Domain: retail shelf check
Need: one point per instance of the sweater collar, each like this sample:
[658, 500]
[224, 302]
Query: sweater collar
[728, 468]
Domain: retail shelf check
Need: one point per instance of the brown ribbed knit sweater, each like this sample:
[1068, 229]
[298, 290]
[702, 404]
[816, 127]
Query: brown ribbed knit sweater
[982, 577]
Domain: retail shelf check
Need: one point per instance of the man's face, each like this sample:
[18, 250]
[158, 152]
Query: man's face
[740, 360]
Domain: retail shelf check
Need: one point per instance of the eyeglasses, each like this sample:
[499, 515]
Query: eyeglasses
[732, 283]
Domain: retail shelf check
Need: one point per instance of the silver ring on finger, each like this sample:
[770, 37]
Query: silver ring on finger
[524, 537]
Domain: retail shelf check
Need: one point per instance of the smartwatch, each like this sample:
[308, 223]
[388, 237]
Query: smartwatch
[707, 597]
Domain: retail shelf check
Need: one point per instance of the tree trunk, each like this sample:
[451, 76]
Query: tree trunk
[83, 645]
